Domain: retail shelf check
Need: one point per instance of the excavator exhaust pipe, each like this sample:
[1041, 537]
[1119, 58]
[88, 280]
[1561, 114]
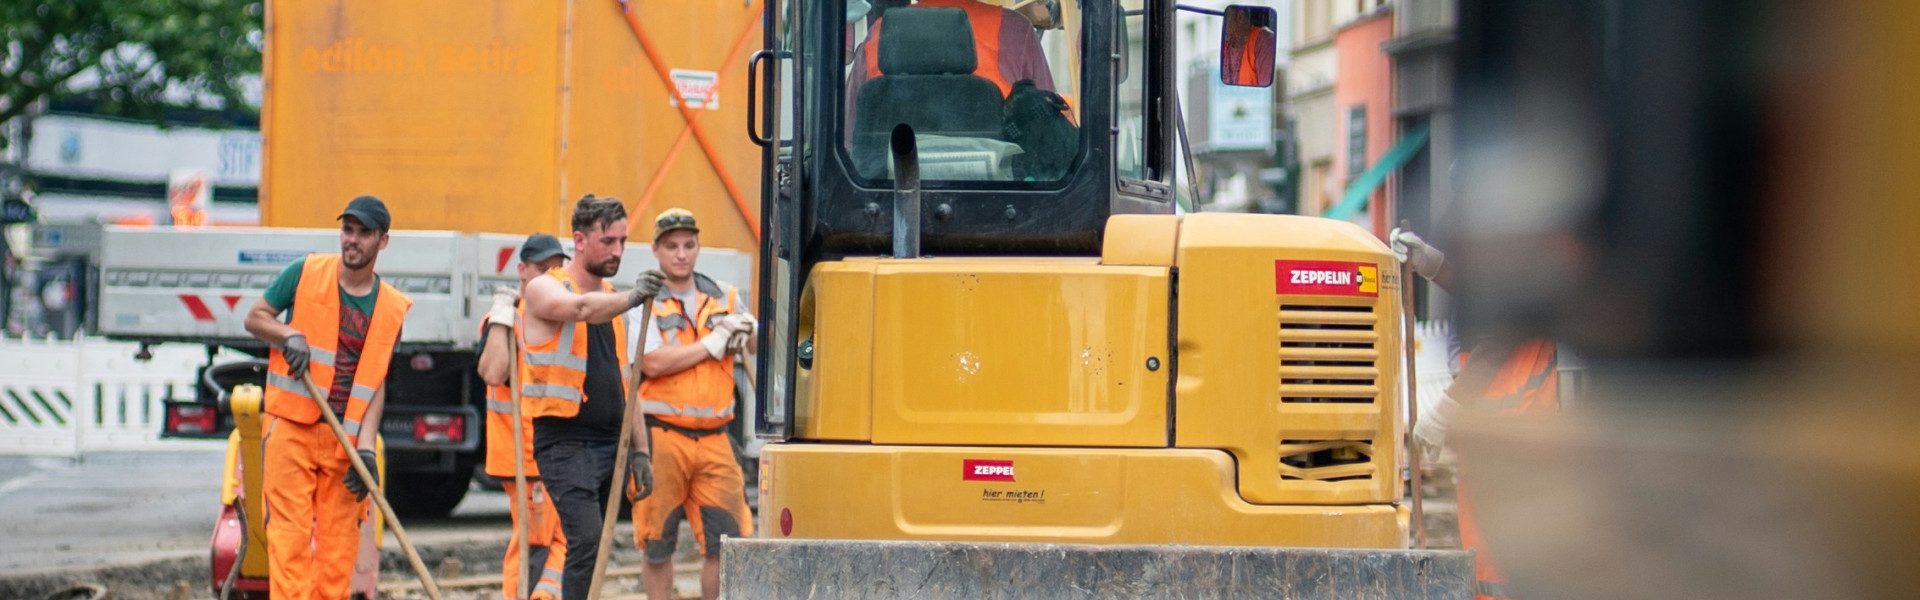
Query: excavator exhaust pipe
[906, 193]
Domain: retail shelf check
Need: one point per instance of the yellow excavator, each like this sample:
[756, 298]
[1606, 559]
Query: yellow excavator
[987, 323]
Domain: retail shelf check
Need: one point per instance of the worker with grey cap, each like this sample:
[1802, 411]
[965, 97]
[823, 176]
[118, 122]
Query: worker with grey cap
[546, 544]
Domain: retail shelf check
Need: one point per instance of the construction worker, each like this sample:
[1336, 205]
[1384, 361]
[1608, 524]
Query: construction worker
[576, 378]
[343, 323]
[1500, 376]
[699, 326]
[546, 545]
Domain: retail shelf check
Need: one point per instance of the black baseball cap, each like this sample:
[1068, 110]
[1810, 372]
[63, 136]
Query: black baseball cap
[370, 212]
[540, 247]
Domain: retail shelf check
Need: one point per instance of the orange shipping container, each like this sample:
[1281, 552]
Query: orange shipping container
[495, 116]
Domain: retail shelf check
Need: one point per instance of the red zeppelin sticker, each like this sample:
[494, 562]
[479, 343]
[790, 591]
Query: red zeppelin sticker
[1326, 278]
[986, 470]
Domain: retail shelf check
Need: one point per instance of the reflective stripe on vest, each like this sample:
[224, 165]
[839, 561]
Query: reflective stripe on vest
[700, 397]
[553, 374]
[656, 407]
[316, 315]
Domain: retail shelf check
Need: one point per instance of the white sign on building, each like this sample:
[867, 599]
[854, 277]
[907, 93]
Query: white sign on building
[1238, 118]
[94, 148]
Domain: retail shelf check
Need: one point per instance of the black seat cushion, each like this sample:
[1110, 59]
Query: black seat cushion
[926, 81]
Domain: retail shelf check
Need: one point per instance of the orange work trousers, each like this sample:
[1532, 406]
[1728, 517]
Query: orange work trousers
[544, 531]
[313, 522]
[694, 479]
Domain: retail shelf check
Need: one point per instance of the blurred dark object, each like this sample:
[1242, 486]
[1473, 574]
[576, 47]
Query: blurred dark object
[1611, 163]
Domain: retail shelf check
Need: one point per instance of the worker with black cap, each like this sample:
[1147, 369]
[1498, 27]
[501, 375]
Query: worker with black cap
[342, 324]
[546, 543]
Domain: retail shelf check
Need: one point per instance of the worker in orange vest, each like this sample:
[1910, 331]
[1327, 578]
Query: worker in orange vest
[546, 544]
[343, 324]
[1500, 376]
[574, 383]
[699, 326]
[1005, 44]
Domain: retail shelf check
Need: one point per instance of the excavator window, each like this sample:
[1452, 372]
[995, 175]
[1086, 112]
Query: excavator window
[989, 89]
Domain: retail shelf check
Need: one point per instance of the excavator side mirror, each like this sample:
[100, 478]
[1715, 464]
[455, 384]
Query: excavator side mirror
[1247, 45]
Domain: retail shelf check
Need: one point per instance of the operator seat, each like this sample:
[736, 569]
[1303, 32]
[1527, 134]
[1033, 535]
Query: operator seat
[926, 81]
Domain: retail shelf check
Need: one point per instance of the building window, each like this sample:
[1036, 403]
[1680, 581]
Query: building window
[1356, 141]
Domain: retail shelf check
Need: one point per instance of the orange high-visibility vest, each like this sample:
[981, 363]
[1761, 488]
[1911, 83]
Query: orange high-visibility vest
[700, 397]
[983, 18]
[316, 314]
[1528, 382]
[500, 417]
[554, 374]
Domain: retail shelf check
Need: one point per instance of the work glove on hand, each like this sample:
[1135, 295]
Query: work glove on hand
[1416, 252]
[738, 343]
[743, 327]
[1432, 426]
[297, 353]
[640, 468]
[716, 340]
[354, 484]
[504, 299]
[648, 285]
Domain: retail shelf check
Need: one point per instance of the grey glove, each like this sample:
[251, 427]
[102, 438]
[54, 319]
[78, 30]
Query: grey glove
[354, 484]
[1416, 252]
[297, 353]
[648, 285]
[640, 468]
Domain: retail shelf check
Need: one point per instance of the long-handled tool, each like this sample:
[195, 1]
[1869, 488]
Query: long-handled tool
[1407, 280]
[521, 510]
[373, 486]
[635, 375]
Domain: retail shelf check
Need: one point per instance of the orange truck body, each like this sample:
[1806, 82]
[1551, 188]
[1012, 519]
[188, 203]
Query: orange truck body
[495, 116]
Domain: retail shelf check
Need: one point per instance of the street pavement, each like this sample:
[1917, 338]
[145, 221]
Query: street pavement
[125, 508]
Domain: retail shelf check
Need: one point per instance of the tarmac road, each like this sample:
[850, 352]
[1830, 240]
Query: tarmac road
[113, 509]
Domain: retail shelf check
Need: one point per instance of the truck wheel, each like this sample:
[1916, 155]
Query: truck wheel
[429, 495]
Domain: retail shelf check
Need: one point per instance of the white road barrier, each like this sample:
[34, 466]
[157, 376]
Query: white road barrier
[70, 397]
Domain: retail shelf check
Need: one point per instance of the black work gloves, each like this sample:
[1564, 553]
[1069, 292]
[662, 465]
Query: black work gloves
[640, 468]
[297, 353]
[354, 484]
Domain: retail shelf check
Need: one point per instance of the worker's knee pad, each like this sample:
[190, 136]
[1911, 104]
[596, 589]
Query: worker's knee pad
[661, 550]
[718, 523]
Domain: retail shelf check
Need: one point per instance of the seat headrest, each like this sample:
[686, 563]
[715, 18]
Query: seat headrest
[926, 41]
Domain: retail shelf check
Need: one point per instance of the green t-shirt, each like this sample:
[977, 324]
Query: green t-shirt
[356, 315]
[280, 293]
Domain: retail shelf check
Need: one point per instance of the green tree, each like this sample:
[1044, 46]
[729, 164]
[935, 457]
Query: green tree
[126, 54]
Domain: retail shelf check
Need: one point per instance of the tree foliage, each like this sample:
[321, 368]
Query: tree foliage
[132, 57]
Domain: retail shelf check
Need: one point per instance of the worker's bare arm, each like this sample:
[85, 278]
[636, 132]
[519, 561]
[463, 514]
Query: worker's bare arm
[668, 360]
[263, 321]
[547, 299]
[496, 358]
[370, 422]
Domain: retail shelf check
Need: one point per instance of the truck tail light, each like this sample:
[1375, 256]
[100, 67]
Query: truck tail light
[440, 428]
[191, 419]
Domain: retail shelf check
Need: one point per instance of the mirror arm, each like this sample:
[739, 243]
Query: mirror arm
[1201, 10]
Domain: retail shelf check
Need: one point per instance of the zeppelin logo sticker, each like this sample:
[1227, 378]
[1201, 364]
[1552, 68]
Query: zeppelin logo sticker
[1326, 278]
[986, 470]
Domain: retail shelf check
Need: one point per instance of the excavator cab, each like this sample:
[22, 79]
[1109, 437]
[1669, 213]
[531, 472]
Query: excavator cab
[985, 321]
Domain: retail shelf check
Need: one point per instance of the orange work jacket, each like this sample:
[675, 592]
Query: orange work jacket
[500, 418]
[316, 314]
[553, 376]
[700, 397]
[1528, 382]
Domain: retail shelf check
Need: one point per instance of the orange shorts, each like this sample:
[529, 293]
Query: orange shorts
[694, 479]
